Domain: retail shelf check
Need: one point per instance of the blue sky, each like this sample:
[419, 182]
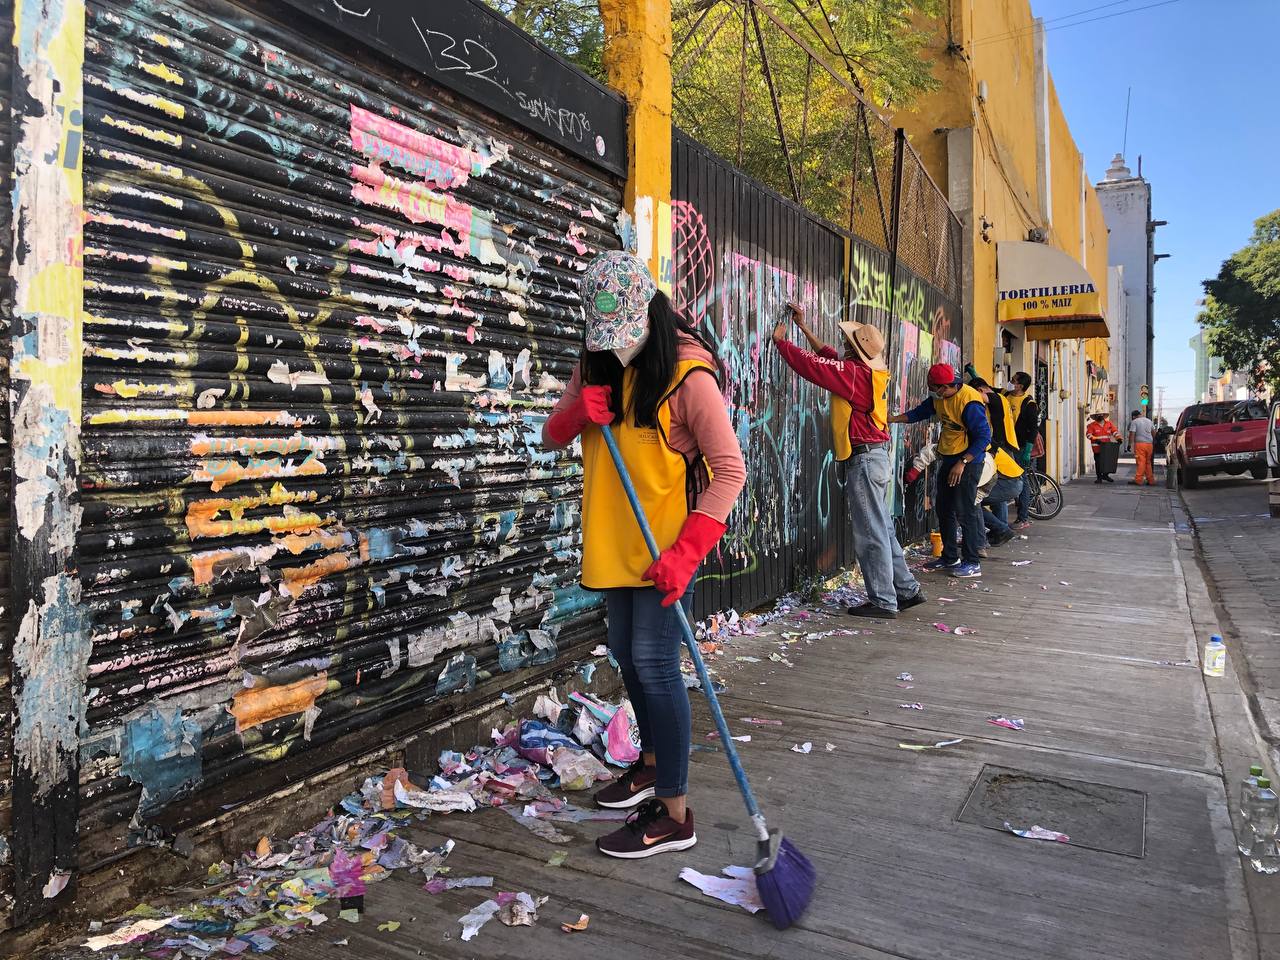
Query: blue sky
[1205, 116]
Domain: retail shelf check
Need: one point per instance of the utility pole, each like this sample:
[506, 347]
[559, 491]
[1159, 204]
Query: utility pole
[1159, 403]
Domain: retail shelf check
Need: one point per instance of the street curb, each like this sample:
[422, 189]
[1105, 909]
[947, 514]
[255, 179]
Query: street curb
[1267, 727]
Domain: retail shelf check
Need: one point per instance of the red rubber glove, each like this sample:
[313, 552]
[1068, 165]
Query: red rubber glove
[910, 476]
[592, 407]
[675, 567]
[596, 400]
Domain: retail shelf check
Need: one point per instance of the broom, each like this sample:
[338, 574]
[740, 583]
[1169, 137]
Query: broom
[784, 876]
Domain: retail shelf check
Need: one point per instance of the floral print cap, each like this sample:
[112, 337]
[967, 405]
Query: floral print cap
[616, 290]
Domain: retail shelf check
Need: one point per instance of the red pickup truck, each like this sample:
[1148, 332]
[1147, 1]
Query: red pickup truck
[1225, 437]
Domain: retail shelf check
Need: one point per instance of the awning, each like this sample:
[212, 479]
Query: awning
[1049, 291]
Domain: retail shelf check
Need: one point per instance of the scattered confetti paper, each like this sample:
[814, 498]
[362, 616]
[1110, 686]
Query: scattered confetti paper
[802, 747]
[911, 706]
[931, 746]
[905, 676]
[906, 686]
[1021, 563]
[830, 747]
[1064, 583]
[745, 738]
[737, 886]
[118, 938]
[599, 650]
[1038, 833]
[963, 631]
[1007, 722]
[391, 926]
[762, 722]
[747, 659]
[558, 858]
[946, 599]
[577, 926]
[941, 627]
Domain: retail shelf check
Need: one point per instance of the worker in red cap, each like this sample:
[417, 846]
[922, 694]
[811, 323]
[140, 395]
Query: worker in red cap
[859, 385]
[966, 434]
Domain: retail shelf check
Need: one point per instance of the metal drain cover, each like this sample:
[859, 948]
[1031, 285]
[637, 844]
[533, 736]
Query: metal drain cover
[1093, 815]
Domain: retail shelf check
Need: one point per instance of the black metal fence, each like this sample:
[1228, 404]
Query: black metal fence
[739, 252]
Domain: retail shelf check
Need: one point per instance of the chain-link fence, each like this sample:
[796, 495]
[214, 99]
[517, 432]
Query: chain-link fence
[759, 92]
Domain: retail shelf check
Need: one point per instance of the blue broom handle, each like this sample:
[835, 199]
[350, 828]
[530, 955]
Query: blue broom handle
[690, 641]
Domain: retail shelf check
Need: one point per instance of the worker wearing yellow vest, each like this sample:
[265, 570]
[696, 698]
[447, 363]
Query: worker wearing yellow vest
[966, 434]
[1004, 450]
[655, 378]
[859, 385]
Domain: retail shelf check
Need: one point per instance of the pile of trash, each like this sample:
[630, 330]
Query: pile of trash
[275, 891]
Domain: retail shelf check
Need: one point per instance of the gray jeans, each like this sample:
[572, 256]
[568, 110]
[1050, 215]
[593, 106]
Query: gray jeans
[884, 569]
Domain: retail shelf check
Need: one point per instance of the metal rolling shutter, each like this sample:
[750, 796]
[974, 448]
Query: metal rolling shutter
[327, 307]
[6, 460]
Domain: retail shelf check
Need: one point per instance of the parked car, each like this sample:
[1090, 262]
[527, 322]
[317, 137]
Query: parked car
[1273, 440]
[1225, 437]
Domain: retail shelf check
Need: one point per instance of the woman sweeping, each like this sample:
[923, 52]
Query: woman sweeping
[655, 378]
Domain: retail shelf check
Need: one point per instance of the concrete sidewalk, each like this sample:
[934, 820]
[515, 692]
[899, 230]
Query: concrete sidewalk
[1091, 643]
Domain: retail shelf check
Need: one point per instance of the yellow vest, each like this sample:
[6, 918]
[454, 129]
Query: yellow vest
[1015, 404]
[955, 438]
[614, 553]
[1005, 463]
[842, 413]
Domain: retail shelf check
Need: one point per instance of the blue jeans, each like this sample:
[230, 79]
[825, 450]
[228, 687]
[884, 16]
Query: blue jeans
[1024, 496]
[958, 510]
[875, 544]
[1002, 491]
[645, 639]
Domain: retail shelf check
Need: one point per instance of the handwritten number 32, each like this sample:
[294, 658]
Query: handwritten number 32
[445, 61]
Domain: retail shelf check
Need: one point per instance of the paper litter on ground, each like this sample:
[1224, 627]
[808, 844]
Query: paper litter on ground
[1038, 833]
[830, 747]
[1010, 723]
[736, 887]
[118, 938]
[905, 676]
[577, 925]
[931, 746]
[762, 722]
[911, 706]
[802, 747]
[477, 918]
[745, 738]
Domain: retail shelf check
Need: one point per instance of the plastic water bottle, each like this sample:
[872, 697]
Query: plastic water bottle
[1264, 817]
[1248, 787]
[1215, 657]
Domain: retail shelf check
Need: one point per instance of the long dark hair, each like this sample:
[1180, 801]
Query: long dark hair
[655, 365]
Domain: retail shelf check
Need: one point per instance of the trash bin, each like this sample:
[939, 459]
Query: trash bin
[1107, 457]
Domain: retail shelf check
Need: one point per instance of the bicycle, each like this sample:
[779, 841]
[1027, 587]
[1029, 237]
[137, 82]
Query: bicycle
[1046, 496]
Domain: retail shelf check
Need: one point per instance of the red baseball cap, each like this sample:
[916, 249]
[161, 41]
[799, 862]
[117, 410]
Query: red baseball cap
[942, 375]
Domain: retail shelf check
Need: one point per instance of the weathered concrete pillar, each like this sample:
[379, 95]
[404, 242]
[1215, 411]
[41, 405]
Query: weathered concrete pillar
[637, 61]
[50, 654]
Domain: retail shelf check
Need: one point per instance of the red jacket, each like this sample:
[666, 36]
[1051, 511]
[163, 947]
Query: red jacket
[850, 379]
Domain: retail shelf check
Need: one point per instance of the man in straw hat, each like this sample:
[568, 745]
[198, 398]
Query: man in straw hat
[859, 385]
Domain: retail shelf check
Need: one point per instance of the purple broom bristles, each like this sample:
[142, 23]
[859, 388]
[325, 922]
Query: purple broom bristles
[786, 886]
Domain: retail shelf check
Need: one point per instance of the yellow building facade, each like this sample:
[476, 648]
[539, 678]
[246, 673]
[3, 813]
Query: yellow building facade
[995, 137]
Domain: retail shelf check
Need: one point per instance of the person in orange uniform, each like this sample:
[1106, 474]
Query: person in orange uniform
[1099, 431]
[859, 385]
[656, 379]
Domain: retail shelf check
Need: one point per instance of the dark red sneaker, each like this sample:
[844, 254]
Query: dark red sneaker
[648, 832]
[634, 787]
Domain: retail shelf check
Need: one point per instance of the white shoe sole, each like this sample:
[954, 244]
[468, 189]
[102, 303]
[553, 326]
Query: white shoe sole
[653, 851]
[636, 798]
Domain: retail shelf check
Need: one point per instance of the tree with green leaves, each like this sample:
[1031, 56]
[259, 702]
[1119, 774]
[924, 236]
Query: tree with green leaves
[1241, 318]
[745, 82]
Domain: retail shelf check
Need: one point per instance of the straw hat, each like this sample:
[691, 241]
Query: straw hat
[867, 341]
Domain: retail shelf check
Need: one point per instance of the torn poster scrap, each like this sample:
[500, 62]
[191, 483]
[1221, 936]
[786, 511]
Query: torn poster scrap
[737, 886]
[1037, 833]
[931, 746]
[1010, 723]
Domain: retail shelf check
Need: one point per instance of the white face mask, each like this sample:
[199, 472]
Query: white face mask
[626, 354]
